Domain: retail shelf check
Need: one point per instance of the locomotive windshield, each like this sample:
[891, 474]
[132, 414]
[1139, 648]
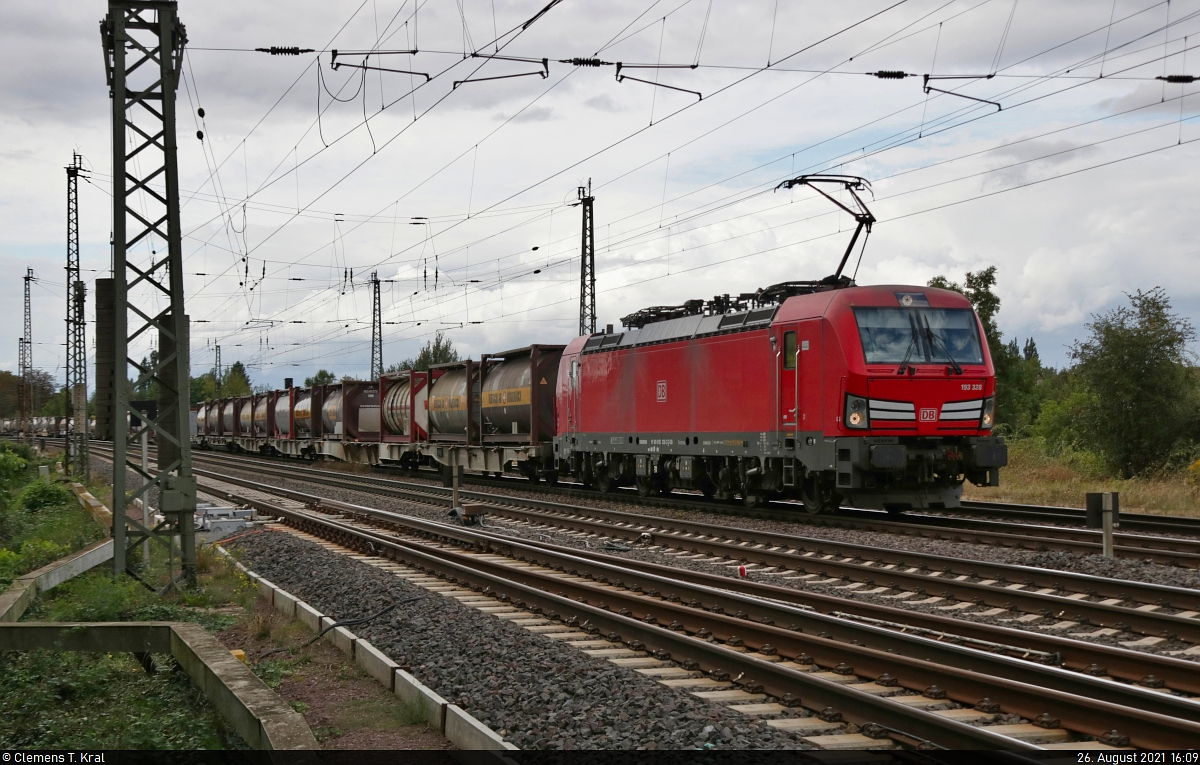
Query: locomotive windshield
[919, 335]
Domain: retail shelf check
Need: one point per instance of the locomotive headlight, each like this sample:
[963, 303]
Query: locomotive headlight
[856, 413]
[989, 414]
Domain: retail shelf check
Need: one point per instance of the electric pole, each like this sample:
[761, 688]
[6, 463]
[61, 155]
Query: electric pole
[27, 371]
[22, 405]
[217, 368]
[76, 458]
[143, 43]
[376, 329]
[587, 268]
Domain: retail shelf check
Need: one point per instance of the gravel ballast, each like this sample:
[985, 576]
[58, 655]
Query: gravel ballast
[534, 691]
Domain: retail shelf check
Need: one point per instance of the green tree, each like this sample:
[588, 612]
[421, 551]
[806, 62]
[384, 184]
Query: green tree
[236, 382]
[1018, 375]
[203, 388]
[439, 350]
[148, 389]
[322, 377]
[1139, 382]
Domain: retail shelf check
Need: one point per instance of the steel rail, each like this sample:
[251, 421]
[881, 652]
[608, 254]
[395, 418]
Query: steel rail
[1087, 715]
[1164, 550]
[925, 523]
[1051, 513]
[764, 548]
[1076, 655]
[716, 597]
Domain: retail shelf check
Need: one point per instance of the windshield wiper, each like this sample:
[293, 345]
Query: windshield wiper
[912, 343]
[935, 340]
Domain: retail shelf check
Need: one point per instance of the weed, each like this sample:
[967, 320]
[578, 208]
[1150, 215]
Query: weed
[53, 700]
[42, 493]
[272, 672]
[327, 732]
[300, 706]
[370, 714]
[260, 626]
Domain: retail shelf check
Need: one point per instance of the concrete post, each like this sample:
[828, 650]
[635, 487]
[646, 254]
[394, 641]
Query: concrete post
[145, 499]
[105, 363]
[176, 392]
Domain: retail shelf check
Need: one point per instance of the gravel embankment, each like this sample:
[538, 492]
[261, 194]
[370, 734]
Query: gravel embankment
[532, 690]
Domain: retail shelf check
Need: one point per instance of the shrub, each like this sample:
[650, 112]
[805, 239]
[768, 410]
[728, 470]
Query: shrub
[21, 450]
[11, 466]
[32, 555]
[1193, 476]
[41, 494]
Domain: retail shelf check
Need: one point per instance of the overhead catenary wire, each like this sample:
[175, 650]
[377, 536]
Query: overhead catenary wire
[725, 88]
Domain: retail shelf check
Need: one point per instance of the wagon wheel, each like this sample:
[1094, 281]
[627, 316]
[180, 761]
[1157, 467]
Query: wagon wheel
[645, 487]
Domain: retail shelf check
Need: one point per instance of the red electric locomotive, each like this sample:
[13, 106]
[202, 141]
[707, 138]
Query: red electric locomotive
[829, 393]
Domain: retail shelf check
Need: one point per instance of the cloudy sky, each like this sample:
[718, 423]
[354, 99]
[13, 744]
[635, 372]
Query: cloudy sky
[459, 194]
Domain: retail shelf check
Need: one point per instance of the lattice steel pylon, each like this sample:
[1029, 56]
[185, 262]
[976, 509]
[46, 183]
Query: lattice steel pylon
[27, 367]
[587, 268]
[217, 369]
[376, 329]
[76, 459]
[143, 50]
[22, 405]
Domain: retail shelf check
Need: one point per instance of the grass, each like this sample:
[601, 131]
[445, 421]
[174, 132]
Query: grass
[95, 597]
[60, 700]
[1036, 476]
[370, 715]
[40, 522]
[66, 700]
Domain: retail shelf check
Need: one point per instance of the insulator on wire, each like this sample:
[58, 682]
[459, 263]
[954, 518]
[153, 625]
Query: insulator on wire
[1178, 79]
[584, 62]
[890, 74]
[293, 50]
[200, 134]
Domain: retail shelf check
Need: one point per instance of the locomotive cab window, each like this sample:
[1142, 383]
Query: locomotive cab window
[919, 335]
[789, 350]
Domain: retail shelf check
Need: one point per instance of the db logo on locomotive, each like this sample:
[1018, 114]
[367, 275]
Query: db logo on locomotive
[928, 415]
[662, 390]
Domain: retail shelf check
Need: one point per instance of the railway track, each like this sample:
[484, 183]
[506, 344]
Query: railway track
[1032, 533]
[1074, 515]
[887, 683]
[1154, 614]
[751, 610]
[1086, 600]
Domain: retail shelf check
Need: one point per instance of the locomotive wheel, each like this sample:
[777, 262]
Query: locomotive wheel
[752, 500]
[815, 500]
[644, 487]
